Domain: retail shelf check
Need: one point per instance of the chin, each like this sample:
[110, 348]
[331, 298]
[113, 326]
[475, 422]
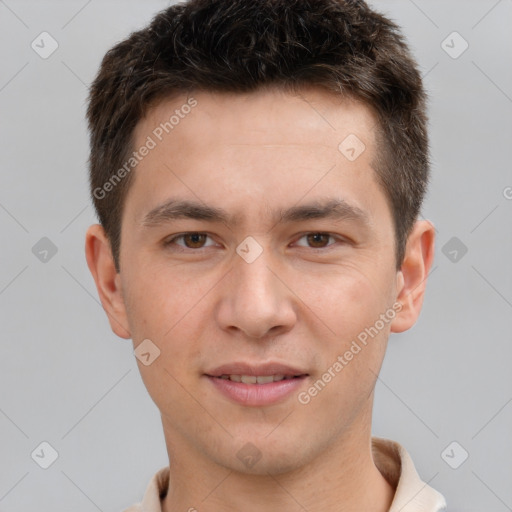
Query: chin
[270, 464]
[264, 456]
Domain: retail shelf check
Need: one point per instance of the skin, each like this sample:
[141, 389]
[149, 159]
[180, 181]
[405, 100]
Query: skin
[301, 302]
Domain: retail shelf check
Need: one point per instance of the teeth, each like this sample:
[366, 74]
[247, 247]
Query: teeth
[253, 379]
[265, 380]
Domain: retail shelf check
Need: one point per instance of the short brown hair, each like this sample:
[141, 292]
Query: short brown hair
[239, 46]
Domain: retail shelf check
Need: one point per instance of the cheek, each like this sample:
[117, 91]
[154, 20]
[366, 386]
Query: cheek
[169, 307]
[346, 298]
[164, 307]
[157, 297]
[351, 305]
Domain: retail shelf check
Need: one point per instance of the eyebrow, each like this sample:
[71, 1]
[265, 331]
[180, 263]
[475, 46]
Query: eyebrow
[175, 209]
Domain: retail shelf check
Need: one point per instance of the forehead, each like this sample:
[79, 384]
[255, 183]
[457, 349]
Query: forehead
[270, 116]
[267, 145]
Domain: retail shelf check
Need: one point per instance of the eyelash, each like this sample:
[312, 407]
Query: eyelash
[171, 241]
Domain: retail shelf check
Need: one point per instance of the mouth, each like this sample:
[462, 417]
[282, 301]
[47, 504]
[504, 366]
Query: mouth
[256, 385]
[258, 379]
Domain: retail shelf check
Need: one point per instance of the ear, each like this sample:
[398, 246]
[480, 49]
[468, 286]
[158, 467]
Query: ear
[108, 281]
[412, 276]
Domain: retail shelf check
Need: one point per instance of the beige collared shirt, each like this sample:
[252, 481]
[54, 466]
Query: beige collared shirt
[392, 460]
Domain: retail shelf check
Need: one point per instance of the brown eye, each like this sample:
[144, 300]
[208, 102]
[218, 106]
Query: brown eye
[190, 240]
[194, 240]
[318, 240]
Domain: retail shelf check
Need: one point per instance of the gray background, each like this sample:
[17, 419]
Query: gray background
[66, 379]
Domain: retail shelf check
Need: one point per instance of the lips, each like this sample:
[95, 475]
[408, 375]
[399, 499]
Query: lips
[247, 373]
[256, 384]
[256, 379]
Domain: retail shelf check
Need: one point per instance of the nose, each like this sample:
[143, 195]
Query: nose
[255, 300]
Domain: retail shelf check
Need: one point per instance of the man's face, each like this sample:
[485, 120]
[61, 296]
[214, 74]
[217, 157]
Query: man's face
[287, 301]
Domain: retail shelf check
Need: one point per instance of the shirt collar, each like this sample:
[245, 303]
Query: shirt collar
[411, 493]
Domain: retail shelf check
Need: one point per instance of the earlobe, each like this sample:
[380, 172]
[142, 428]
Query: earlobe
[412, 277]
[108, 283]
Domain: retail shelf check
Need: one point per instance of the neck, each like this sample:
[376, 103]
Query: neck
[343, 478]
